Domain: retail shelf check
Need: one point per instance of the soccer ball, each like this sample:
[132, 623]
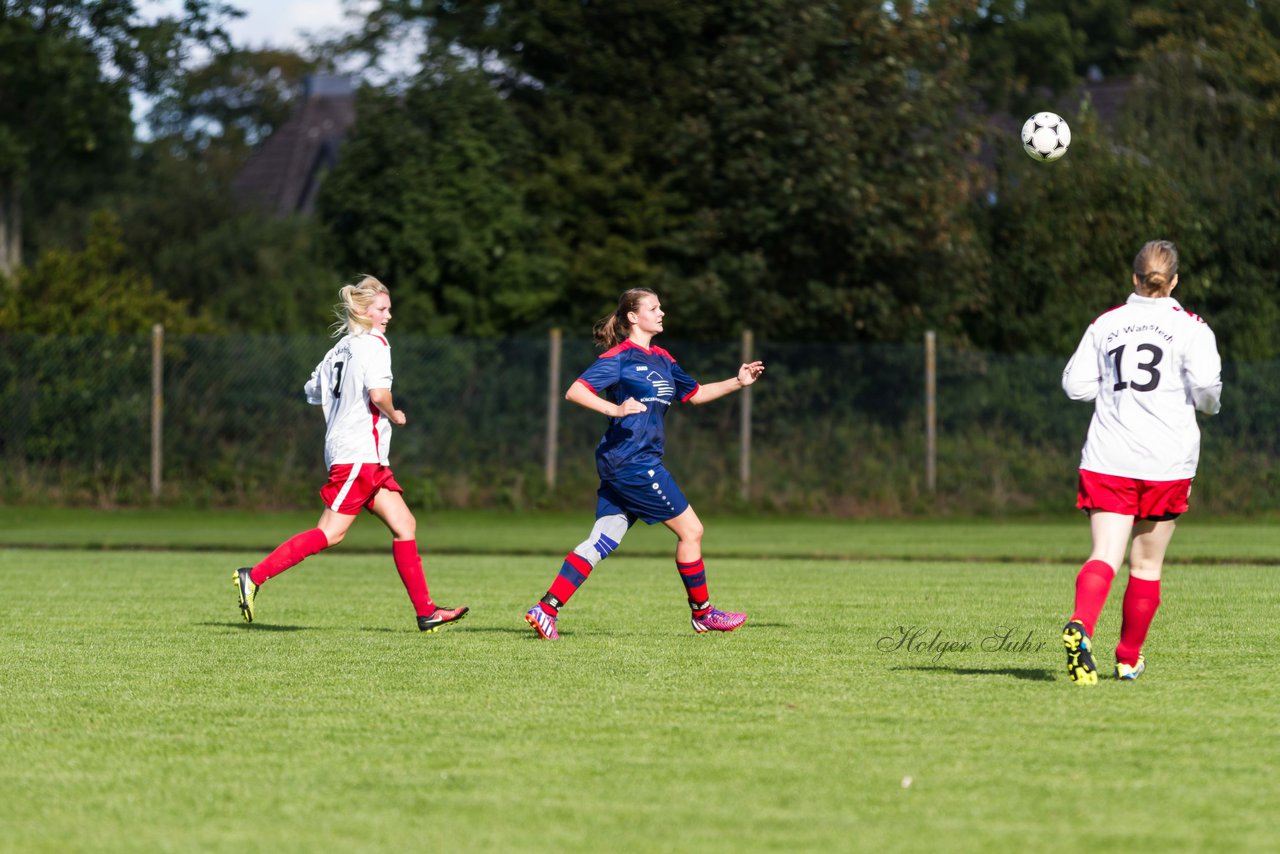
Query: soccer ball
[1046, 136]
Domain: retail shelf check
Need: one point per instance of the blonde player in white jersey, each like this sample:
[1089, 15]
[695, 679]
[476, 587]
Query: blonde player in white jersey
[1148, 365]
[353, 387]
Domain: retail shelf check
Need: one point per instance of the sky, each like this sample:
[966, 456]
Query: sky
[274, 23]
[278, 23]
[281, 23]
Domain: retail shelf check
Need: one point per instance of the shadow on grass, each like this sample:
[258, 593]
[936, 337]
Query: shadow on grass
[256, 627]
[500, 630]
[1031, 674]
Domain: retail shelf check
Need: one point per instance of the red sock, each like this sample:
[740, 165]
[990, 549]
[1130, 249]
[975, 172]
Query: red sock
[694, 576]
[292, 551]
[1141, 599]
[409, 565]
[573, 574]
[1092, 586]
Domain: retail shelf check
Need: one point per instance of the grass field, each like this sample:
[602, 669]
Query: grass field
[137, 711]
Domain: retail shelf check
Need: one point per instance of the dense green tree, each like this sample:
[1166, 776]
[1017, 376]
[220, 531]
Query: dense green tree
[424, 198]
[1022, 50]
[800, 167]
[179, 215]
[1191, 158]
[95, 290]
[66, 73]
[1206, 112]
[829, 168]
[1064, 235]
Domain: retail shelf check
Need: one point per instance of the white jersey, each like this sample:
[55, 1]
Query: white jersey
[1148, 365]
[357, 431]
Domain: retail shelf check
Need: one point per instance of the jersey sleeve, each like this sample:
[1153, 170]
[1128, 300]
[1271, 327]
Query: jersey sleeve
[686, 386]
[603, 373]
[377, 364]
[314, 388]
[1082, 377]
[1202, 371]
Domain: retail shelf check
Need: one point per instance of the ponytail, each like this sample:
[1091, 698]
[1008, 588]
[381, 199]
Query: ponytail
[1156, 265]
[612, 329]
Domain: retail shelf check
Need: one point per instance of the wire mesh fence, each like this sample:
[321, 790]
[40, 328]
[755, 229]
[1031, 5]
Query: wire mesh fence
[834, 428]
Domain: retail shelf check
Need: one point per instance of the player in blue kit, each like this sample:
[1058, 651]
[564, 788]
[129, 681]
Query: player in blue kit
[639, 382]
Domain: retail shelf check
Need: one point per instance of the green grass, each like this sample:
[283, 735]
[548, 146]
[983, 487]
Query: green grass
[1064, 537]
[138, 713]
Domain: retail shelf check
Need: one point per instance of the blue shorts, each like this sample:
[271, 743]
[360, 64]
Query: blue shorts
[648, 494]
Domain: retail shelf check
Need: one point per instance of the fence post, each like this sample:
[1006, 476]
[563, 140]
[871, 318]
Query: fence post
[930, 412]
[553, 407]
[744, 427]
[157, 407]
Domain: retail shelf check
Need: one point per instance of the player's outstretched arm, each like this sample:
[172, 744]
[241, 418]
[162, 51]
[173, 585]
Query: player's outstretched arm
[587, 399]
[747, 374]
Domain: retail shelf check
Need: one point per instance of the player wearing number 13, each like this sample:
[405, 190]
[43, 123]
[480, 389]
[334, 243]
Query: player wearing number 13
[352, 385]
[1148, 366]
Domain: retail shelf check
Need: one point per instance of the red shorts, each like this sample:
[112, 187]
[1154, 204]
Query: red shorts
[353, 486]
[1155, 500]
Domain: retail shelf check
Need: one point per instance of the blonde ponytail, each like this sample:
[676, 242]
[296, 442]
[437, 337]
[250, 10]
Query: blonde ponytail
[1156, 265]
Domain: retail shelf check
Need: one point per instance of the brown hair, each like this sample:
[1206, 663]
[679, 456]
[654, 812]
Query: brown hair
[355, 301]
[1155, 265]
[613, 329]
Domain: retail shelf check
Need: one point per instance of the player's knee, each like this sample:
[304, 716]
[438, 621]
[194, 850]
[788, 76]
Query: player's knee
[693, 532]
[334, 537]
[605, 537]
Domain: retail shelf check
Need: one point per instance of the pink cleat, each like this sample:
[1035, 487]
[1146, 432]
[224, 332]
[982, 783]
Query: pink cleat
[543, 623]
[440, 617]
[718, 621]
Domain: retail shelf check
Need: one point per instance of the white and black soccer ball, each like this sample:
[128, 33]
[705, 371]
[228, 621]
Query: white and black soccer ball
[1046, 136]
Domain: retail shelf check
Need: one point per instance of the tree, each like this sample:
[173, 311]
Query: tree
[235, 100]
[424, 198]
[92, 291]
[1207, 112]
[180, 213]
[796, 166]
[66, 72]
[828, 164]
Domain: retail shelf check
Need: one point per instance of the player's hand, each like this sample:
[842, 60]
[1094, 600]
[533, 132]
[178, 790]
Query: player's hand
[750, 372]
[398, 418]
[630, 406]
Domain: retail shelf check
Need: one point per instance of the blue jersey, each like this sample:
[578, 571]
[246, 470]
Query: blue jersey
[651, 377]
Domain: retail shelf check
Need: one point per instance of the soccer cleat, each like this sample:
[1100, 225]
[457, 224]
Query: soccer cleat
[439, 617]
[1130, 672]
[1079, 647]
[718, 621]
[247, 589]
[543, 623]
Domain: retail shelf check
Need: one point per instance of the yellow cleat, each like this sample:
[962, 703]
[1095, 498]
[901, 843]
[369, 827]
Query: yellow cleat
[1079, 648]
[1130, 672]
[247, 590]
